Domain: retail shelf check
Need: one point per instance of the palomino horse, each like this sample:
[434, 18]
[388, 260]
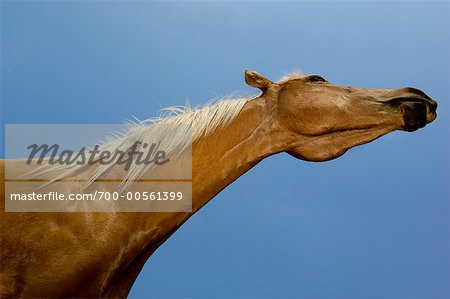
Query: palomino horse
[101, 254]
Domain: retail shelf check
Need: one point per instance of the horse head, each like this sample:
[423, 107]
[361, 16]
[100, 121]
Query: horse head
[320, 121]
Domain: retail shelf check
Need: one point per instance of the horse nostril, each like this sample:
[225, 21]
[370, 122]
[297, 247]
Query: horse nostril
[417, 93]
[432, 105]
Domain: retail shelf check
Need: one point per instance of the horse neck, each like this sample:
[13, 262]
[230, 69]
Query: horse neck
[228, 153]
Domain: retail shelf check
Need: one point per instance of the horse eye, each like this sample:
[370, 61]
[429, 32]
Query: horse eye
[317, 79]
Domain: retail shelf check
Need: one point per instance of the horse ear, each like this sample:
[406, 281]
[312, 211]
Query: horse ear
[256, 80]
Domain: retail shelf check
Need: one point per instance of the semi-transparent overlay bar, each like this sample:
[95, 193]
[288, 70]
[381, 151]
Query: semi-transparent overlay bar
[98, 168]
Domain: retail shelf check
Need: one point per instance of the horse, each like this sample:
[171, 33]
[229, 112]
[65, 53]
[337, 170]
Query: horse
[101, 254]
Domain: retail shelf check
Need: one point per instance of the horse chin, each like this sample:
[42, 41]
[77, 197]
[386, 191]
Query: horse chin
[316, 156]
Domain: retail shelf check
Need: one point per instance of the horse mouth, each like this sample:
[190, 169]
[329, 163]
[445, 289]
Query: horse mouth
[417, 112]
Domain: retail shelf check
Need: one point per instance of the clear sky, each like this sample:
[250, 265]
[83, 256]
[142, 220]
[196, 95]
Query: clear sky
[373, 223]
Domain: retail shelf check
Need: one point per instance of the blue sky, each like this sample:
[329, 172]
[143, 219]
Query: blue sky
[374, 223]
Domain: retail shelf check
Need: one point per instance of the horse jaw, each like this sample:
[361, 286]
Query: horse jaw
[333, 145]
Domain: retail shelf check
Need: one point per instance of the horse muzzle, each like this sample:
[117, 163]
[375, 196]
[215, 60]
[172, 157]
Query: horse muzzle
[417, 109]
